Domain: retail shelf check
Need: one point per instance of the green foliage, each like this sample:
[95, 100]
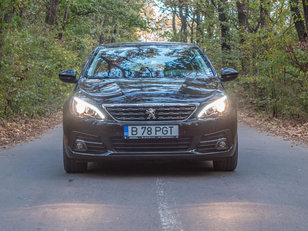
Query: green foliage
[29, 72]
[32, 53]
[276, 80]
[264, 47]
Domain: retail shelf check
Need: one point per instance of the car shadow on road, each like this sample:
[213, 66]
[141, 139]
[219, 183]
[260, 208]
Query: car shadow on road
[128, 168]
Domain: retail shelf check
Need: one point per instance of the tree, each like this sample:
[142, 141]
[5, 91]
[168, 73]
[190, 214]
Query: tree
[298, 20]
[40, 38]
[52, 11]
[183, 13]
[225, 31]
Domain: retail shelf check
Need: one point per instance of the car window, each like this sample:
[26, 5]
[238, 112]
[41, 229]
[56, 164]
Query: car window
[148, 62]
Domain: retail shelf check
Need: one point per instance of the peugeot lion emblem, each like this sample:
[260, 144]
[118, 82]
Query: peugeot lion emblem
[151, 113]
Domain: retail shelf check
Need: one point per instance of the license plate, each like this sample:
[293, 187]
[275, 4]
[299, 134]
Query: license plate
[154, 131]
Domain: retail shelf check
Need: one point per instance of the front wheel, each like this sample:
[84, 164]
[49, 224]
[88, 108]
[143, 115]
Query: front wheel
[228, 163]
[71, 165]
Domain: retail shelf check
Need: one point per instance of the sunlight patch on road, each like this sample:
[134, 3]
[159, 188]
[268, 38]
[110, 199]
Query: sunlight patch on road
[76, 216]
[239, 215]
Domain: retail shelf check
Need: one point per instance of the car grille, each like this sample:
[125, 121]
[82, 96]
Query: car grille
[94, 143]
[151, 145]
[208, 142]
[162, 113]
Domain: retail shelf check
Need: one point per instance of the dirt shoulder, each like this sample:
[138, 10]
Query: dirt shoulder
[27, 129]
[290, 130]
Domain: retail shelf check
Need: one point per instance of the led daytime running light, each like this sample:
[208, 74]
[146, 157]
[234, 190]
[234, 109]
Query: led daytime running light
[81, 106]
[220, 106]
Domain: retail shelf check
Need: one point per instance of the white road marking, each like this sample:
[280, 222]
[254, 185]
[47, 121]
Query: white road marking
[169, 217]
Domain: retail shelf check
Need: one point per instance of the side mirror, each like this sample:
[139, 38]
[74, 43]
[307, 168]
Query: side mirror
[228, 74]
[68, 76]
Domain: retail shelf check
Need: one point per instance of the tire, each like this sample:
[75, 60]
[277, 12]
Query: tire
[73, 166]
[227, 164]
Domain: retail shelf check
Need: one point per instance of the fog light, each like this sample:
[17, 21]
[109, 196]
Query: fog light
[221, 144]
[80, 146]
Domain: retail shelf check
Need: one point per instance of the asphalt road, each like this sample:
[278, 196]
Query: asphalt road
[268, 191]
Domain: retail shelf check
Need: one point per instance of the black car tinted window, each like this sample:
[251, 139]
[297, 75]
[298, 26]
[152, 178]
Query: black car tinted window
[148, 62]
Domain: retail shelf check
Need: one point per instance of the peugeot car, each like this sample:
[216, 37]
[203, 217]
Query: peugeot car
[149, 101]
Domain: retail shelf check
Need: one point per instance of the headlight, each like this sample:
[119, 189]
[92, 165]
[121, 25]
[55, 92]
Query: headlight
[84, 109]
[217, 107]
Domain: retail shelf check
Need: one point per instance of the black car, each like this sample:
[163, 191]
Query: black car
[149, 100]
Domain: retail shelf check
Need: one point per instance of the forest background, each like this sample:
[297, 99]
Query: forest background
[265, 40]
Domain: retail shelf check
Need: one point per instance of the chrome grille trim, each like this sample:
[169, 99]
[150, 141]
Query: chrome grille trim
[137, 112]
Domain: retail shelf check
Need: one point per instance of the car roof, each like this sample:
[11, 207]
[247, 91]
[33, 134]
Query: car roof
[138, 44]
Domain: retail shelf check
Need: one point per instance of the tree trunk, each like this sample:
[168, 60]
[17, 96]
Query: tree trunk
[64, 22]
[192, 29]
[102, 37]
[1, 36]
[305, 6]
[242, 15]
[52, 10]
[298, 21]
[113, 32]
[225, 31]
[113, 35]
[173, 21]
[183, 18]
[185, 28]
[198, 28]
[263, 12]
[6, 19]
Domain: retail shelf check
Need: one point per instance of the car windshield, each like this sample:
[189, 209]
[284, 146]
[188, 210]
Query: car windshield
[149, 62]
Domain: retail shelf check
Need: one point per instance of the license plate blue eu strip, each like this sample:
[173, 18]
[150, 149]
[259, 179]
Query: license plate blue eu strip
[125, 131]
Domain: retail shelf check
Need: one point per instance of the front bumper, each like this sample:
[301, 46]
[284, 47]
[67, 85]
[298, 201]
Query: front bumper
[105, 132]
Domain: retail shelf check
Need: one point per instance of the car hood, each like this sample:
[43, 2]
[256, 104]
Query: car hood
[160, 90]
